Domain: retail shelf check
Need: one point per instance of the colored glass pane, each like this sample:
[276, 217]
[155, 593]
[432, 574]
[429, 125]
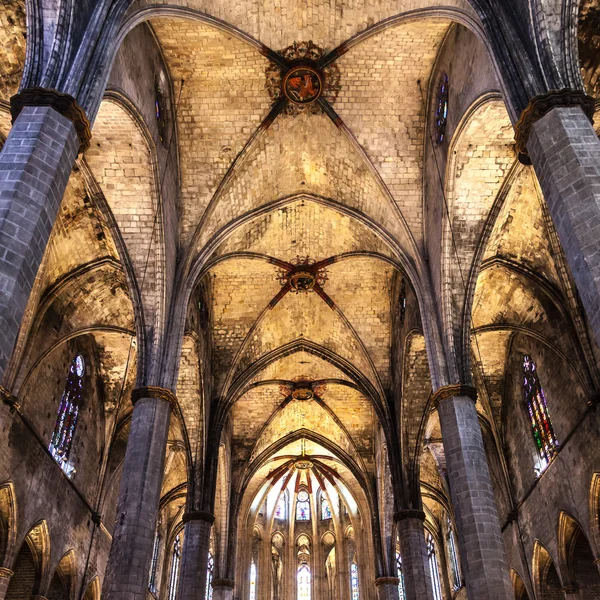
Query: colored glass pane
[354, 581]
[539, 416]
[441, 109]
[304, 582]
[325, 509]
[209, 576]
[280, 508]
[175, 560]
[433, 568]
[253, 580]
[154, 563]
[401, 594]
[456, 583]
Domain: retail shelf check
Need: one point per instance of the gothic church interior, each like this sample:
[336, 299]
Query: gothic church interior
[299, 300]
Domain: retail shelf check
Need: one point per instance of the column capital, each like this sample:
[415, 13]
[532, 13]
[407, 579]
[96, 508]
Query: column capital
[6, 573]
[222, 583]
[450, 391]
[198, 515]
[387, 581]
[544, 103]
[62, 103]
[154, 392]
[409, 513]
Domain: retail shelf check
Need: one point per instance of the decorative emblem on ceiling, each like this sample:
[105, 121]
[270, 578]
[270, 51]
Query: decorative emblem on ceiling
[304, 81]
[303, 465]
[304, 276]
[302, 85]
[303, 392]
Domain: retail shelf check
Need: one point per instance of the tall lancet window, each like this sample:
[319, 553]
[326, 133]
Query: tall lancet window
[535, 400]
[354, 580]
[68, 412]
[154, 563]
[433, 568]
[401, 593]
[304, 582]
[325, 509]
[252, 580]
[456, 583]
[175, 561]
[280, 512]
[302, 506]
[209, 576]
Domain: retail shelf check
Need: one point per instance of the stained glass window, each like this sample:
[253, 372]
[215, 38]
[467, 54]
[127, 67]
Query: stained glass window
[402, 302]
[354, 580]
[325, 509]
[302, 507]
[175, 560]
[456, 583]
[252, 580]
[401, 593]
[209, 575]
[543, 432]
[66, 420]
[280, 508]
[154, 563]
[433, 568]
[304, 582]
[441, 110]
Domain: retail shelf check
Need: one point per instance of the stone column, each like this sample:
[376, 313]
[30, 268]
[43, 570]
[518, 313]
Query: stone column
[480, 540]
[5, 575]
[130, 555]
[223, 589]
[194, 558]
[387, 588]
[35, 165]
[555, 130]
[415, 567]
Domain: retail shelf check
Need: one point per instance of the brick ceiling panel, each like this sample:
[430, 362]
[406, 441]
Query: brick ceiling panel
[361, 288]
[328, 23]
[301, 366]
[223, 102]
[304, 316]
[380, 102]
[13, 33]
[305, 154]
[303, 228]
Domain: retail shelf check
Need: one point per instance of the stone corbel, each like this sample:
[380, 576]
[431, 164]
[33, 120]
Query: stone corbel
[198, 515]
[154, 392]
[543, 104]
[6, 573]
[8, 399]
[451, 391]
[62, 103]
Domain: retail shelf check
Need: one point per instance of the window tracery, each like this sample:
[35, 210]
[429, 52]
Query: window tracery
[456, 580]
[402, 302]
[302, 506]
[401, 594]
[280, 509]
[433, 568]
[154, 563]
[304, 582]
[252, 580]
[175, 560]
[325, 509]
[68, 413]
[354, 580]
[209, 576]
[539, 416]
[441, 109]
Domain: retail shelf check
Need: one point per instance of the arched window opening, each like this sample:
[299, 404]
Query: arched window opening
[154, 564]
[302, 506]
[543, 432]
[66, 420]
[304, 582]
[325, 509]
[280, 509]
[456, 581]
[354, 580]
[401, 593]
[209, 576]
[252, 580]
[433, 568]
[175, 560]
[402, 302]
[161, 116]
[441, 110]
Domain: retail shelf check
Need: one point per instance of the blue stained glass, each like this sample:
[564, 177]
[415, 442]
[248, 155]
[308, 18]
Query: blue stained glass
[280, 509]
[401, 593]
[354, 581]
[209, 577]
[441, 111]
[325, 509]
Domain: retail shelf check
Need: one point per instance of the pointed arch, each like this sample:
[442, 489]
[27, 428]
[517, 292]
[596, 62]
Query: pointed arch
[8, 523]
[518, 586]
[92, 592]
[546, 580]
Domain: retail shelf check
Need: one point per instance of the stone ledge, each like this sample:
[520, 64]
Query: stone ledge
[222, 583]
[543, 104]
[387, 581]
[402, 515]
[198, 515]
[64, 104]
[451, 391]
[154, 392]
